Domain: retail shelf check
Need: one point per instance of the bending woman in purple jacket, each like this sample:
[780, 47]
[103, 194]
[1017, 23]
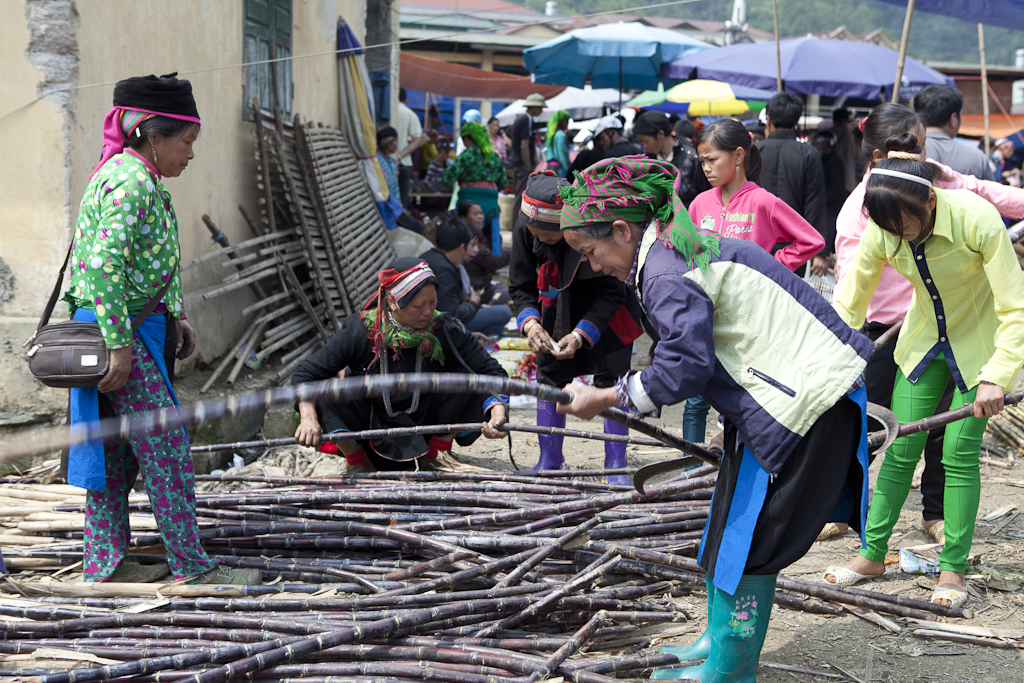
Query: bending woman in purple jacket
[768, 352]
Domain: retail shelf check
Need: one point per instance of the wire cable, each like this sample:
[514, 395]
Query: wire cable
[394, 43]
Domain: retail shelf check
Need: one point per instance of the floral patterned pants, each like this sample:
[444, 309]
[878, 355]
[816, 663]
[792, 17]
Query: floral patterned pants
[167, 472]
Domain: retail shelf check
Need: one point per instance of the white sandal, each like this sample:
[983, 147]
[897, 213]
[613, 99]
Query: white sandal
[830, 530]
[955, 596]
[937, 531]
[847, 577]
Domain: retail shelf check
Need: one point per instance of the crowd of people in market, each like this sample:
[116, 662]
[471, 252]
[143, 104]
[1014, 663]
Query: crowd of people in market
[704, 235]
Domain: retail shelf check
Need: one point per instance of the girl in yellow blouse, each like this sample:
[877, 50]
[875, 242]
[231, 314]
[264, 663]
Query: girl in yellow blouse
[966, 320]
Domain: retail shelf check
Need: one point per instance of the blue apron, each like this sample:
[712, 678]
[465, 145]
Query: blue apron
[86, 464]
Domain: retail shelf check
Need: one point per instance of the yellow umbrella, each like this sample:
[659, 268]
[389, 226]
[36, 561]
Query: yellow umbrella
[708, 98]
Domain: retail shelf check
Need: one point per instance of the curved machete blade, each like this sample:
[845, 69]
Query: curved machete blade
[662, 470]
[878, 442]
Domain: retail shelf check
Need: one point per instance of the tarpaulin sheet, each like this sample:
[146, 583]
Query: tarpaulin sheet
[458, 80]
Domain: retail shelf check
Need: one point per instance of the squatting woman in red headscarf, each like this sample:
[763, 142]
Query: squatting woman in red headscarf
[399, 330]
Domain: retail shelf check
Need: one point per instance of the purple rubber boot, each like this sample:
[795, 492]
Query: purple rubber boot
[550, 446]
[615, 453]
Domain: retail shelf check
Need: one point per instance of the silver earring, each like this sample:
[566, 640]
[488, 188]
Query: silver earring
[737, 169]
[154, 153]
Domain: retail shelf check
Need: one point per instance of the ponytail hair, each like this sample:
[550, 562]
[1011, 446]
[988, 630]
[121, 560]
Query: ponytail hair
[889, 199]
[726, 135]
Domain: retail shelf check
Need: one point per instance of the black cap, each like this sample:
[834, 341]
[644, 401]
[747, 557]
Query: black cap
[162, 94]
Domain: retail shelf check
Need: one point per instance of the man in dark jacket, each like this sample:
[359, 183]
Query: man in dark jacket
[792, 171]
[654, 130]
[455, 296]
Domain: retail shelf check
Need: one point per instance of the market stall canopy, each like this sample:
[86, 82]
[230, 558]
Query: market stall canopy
[586, 103]
[458, 80]
[609, 56]
[999, 127]
[811, 66]
[1004, 13]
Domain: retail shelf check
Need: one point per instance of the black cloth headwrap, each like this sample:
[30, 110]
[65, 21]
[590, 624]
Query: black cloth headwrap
[165, 94]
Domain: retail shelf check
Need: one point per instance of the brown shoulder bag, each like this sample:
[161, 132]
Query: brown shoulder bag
[73, 355]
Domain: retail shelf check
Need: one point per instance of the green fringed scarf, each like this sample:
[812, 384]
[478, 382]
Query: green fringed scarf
[398, 337]
[638, 189]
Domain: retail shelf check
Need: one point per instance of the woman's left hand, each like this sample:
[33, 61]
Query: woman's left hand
[569, 344]
[988, 402]
[186, 338]
[498, 417]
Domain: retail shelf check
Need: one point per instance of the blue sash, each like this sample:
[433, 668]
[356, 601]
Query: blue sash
[86, 465]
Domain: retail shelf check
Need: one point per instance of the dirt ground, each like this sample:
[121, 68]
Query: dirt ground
[847, 644]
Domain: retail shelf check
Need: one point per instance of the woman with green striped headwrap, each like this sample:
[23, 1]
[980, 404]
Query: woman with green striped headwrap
[738, 328]
[557, 155]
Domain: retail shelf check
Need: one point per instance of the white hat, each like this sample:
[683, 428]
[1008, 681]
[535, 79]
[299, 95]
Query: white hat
[605, 123]
[534, 100]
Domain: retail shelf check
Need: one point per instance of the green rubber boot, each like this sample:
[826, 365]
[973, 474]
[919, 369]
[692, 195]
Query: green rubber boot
[738, 625]
[700, 649]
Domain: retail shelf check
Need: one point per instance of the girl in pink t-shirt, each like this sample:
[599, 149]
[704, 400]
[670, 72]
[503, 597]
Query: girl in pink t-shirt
[736, 207]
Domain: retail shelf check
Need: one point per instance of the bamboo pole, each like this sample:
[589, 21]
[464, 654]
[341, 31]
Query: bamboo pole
[778, 47]
[901, 60]
[984, 88]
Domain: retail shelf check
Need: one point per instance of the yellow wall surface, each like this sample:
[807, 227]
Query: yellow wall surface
[50, 148]
[193, 37]
[34, 216]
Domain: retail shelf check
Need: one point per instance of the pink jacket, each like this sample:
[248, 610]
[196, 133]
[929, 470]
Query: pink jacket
[892, 297]
[756, 215]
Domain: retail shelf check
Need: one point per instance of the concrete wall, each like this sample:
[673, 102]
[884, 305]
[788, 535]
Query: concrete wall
[35, 206]
[52, 146]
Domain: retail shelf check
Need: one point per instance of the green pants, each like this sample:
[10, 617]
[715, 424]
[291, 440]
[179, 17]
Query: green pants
[959, 459]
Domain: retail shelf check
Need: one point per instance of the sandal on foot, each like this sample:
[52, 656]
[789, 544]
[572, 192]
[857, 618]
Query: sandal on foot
[846, 577]
[937, 531]
[956, 596]
[830, 530]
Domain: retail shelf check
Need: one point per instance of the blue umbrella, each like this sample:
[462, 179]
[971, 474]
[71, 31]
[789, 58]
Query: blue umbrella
[811, 66]
[1005, 13]
[609, 56]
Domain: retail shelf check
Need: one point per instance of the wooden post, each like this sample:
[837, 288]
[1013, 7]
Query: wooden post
[904, 39]
[778, 48]
[984, 88]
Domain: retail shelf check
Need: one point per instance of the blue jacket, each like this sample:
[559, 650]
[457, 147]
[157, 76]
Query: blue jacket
[766, 350]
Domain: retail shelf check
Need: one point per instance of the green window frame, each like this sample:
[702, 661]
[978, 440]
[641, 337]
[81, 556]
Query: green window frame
[267, 24]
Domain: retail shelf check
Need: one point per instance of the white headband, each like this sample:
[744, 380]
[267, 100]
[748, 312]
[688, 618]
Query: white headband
[900, 174]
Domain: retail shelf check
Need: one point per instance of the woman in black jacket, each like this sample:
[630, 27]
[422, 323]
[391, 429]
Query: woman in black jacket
[399, 330]
[578, 321]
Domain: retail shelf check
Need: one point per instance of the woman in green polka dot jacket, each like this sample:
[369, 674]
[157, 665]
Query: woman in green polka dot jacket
[125, 251]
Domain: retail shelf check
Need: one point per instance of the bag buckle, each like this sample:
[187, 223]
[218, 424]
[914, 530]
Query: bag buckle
[32, 351]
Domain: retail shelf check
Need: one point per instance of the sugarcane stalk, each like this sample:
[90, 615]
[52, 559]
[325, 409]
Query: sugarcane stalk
[516, 575]
[459, 427]
[575, 643]
[436, 563]
[596, 569]
[333, 390]
[942, 419]
[893, 604]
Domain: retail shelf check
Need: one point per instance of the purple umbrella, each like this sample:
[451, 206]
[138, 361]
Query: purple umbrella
[811, 66]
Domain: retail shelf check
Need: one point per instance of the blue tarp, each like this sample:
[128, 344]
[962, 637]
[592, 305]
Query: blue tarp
[1004, 13]
[445, 105]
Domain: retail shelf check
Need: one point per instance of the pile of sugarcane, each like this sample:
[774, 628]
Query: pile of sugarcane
[1008, 427]
[467, 577]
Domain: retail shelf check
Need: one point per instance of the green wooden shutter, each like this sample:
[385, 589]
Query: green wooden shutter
[265, 20]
